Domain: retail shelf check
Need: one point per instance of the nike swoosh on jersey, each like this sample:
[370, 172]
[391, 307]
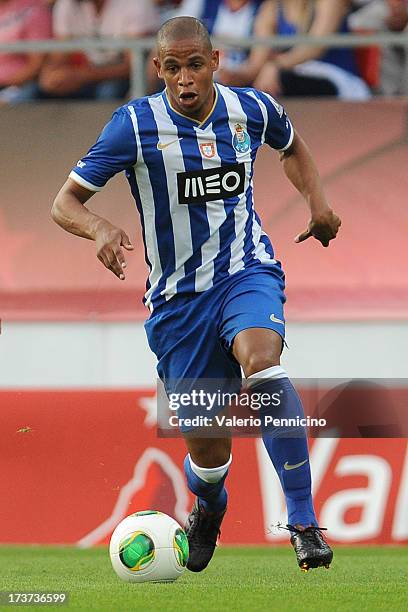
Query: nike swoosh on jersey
[164, 145]
[293, 467]
[276, 320]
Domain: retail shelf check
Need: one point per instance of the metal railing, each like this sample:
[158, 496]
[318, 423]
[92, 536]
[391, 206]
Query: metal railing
[139, 47]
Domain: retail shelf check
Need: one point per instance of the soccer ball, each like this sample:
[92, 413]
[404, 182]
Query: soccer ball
[149, 546]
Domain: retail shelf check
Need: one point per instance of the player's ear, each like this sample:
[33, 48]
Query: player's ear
[157, 63]
[215, 59]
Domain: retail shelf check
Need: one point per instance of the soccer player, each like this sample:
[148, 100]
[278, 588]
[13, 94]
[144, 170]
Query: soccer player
[214, 290]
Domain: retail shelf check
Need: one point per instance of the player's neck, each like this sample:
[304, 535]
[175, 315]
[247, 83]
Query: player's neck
[202, 113]
[208, 106]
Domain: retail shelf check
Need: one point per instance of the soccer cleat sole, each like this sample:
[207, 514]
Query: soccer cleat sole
[307, 566]
[198, 567]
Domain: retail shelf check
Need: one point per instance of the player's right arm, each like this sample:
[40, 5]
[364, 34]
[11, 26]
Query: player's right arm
[114, 151]
[70, 213]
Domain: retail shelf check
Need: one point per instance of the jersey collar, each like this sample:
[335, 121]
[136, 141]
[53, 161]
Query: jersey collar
[188, 121]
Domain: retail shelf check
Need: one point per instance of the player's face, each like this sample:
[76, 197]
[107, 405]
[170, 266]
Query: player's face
[187, 68]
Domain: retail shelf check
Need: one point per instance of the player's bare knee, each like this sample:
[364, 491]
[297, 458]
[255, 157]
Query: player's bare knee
[260, 360]
[210, 453]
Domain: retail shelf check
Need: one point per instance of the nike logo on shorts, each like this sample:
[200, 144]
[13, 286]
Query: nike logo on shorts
[276, 320]
[293, 467]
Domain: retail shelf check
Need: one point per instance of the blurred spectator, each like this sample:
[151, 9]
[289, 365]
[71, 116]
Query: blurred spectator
[101, 74]
[222, 18]
[167, 8]
[22, 20]
[383, 15]
[229, 18]
[302, 70]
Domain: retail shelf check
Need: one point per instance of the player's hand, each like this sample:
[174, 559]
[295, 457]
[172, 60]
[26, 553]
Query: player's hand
[109, 242]
[323, 227]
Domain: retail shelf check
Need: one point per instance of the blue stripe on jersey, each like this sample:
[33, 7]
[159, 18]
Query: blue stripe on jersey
[276, 133]
[162, 219]
[268, 245]
[115, 150]
[131, 177]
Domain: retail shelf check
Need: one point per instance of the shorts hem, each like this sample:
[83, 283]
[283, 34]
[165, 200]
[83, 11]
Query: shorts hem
[276, 328]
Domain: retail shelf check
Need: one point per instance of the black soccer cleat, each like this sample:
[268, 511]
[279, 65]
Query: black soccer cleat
[310, 547]
[202, 530]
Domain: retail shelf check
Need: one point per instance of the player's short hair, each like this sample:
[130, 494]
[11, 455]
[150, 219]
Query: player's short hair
[179, 28]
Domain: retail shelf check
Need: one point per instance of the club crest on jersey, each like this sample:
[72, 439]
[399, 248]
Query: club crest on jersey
[241, 140]
[207, 149]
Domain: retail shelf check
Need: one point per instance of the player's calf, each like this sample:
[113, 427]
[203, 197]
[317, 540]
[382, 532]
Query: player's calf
[204, 521]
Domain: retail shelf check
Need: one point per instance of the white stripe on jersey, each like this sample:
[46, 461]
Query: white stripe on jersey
[216, 216]
[260, 251]
[180, 215]
[235, 115]
[148, 207]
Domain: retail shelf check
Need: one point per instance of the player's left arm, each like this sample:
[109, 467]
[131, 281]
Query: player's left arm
[299, 167]
[302, 172]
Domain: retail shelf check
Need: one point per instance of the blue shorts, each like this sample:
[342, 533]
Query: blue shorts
[192, 336]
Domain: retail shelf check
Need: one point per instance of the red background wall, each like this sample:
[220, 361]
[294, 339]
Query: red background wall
[362, 155]
[74, 462]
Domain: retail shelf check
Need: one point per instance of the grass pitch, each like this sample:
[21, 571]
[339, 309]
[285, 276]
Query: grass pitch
[238, 579]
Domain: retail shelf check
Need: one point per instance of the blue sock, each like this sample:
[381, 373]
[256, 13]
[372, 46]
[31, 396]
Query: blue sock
[287, 448]
[212, 496]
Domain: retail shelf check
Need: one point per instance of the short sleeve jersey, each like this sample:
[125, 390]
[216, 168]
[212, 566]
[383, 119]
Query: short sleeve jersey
[193, 184]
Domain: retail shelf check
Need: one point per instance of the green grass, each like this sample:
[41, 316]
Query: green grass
[238, 579]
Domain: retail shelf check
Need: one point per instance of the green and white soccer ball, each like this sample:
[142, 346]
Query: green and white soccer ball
[149, 546]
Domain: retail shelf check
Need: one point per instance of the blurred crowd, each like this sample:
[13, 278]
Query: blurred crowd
[299, 70]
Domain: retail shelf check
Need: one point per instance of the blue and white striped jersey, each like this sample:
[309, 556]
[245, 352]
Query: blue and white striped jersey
[193, 184]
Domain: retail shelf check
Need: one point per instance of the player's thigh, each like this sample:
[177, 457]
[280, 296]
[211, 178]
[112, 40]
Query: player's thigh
[193, 362]
[187, 345]
[253, 323]
[256, 349]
